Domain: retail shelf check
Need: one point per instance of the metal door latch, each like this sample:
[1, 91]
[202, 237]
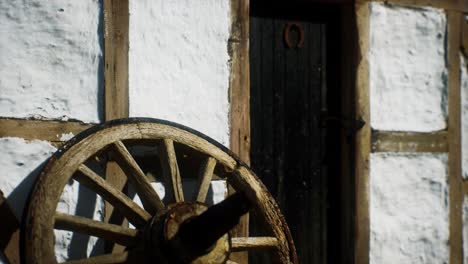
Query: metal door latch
[348, 123]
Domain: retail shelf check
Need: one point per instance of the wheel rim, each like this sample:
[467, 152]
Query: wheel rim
[70, 161]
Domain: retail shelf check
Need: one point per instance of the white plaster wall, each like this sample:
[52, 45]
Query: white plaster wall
[465, 230]
[409, 208]
[51, 59]
[408, 75]
[21, 162]
[464, 113]
[179, 63]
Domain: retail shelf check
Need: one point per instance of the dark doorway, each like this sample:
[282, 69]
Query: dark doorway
[296, 122]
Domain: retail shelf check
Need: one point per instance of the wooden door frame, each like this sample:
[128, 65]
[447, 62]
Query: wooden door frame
[239, 98]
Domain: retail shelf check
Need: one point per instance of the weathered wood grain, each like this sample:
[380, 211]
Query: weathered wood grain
[171, 171]
[362, 137]
[148, 195]
[116, 21]
[386, 141]
[128, 207]
[243, 179]
[63, 165]
[253, 243]
[204, 179]
[46, 130]
[114, 233]
[239, 87]
[454, 20]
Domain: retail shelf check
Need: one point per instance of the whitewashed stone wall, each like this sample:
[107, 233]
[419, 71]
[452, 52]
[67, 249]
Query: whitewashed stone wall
[409, 208]
[179, 63]
[51, 59]
[408, 75]
[21, 162]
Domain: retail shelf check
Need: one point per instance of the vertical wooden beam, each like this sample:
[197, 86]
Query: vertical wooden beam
[239, 84]
[116, 38]
[116, 21]
[363, 136]
[348, 67]
[454, 137]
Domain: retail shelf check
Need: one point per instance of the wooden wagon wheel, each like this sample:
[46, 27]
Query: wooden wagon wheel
[177, 232]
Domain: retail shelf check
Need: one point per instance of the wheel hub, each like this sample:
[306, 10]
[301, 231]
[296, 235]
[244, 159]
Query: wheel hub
[170, 239]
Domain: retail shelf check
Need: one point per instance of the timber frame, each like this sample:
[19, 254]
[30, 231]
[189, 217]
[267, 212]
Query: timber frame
[448, 141]
[366, 140]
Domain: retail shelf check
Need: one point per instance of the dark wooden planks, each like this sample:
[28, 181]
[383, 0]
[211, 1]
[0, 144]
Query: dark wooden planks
[287, 147]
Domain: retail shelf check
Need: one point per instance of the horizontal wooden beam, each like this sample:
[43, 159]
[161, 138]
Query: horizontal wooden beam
[46, 130]
[386, 141]
[453, 5]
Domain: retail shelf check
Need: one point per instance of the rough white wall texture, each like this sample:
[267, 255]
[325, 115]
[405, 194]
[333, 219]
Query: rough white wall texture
[179, 63]
[409, 208]
[408, 75]
[464, 113]
[465, 230]
[51, 59]
[21, 162]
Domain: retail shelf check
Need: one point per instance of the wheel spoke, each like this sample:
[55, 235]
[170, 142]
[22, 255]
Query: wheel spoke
[204, 179]
[171, 170]
[103, 259]
[114, 233]
[148, 195]
[231, 262]
[135, 214]
[253, 243]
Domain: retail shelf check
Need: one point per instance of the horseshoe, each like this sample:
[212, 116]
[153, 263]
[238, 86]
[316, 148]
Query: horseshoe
[289, 26]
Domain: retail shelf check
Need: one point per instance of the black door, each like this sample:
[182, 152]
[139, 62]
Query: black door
[290, 138]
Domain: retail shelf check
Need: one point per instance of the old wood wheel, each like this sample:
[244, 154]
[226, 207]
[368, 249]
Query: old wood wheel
[176, 229]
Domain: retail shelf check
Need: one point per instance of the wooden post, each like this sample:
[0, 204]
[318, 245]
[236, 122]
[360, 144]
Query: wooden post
[454, 137]
[239, 82]
[116, 21]
[363, 137]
